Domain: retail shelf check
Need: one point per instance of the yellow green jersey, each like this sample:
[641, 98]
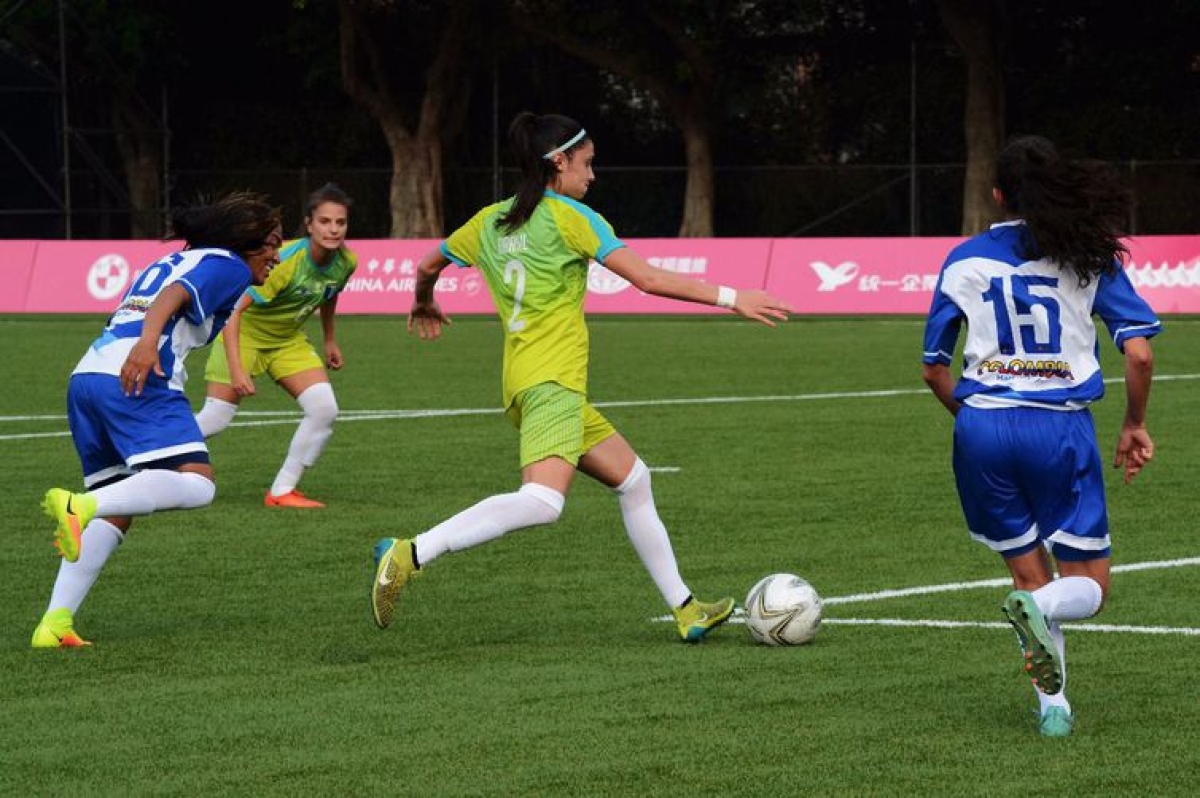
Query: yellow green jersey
[537, 276]
[294, 289]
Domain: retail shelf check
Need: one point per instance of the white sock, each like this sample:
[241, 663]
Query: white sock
[154, 489]
[649, 536]
[99, 540]
[532, 505]
[320, 411]
[1059, 699]
[1069, 598]
[215, 416]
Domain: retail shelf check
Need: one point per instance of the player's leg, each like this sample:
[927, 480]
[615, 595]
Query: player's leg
[221, 400]
[299, 371]
[612, 461]
[990, 465]
[155, 436]
[551, 427]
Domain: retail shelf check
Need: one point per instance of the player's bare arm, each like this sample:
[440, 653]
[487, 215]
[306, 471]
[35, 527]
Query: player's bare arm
[754, 304]
[239, 380]
[939, 380]
[143, 357]
[333, 352]
[1135, 447]
[426, 317]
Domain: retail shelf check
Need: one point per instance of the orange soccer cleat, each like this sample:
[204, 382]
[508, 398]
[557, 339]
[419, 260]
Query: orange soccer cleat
[292, 498]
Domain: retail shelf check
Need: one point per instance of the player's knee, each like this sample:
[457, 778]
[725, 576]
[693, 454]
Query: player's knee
[544, 504]
[196, 490]
[215, 416]
[319, 404]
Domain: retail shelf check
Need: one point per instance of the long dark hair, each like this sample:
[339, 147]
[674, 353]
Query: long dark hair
[530, 137]
[239, 222]
[1074, 211]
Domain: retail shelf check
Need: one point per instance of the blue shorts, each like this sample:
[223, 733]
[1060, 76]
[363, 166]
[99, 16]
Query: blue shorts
[1029, 477]
[116, 434]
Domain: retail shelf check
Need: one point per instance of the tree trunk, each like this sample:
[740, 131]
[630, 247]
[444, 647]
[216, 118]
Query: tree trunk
[415, 191]
[699, 192]
[140, 148]
[975, 26]
[416, 187]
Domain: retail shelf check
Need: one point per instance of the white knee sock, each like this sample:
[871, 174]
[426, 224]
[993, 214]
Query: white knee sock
[649, 536]
[215, 416]
[532, 505]
[320, 411]
[1059, 699]
[100, 539]
[148, 491]
[1069, 598]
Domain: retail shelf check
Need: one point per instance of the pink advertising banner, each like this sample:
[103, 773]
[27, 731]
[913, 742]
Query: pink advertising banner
[16, 263]
[857, 275]
[817, 275]
[87, 276]
[898, 275]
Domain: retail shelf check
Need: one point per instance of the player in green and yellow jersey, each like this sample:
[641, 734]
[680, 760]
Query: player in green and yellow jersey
[265, 335]
[534, 251]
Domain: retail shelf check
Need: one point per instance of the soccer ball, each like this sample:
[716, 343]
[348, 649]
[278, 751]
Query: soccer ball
[783, 610]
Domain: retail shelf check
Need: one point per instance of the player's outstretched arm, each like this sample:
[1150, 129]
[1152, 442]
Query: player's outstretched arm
[1135, 447]
[425, 317]
[751, 304]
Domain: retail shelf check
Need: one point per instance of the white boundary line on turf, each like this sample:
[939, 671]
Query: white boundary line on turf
[956, 586]
[277, 417]
[881, 595]
[1084, 627]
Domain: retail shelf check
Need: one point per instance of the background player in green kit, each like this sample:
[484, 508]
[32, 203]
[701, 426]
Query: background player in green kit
[534, 249]
[265, 335]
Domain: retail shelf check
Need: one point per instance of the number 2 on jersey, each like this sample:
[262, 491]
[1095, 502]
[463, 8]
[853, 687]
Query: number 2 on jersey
[514, 269]
[1023, 300]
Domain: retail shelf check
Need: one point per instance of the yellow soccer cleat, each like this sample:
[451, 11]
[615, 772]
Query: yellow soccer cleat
[697, 618]
[57, 630]
[71, 512]
[395, 564]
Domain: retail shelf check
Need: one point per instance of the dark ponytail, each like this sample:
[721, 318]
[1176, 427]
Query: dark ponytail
[1074, 211]
[530, 137]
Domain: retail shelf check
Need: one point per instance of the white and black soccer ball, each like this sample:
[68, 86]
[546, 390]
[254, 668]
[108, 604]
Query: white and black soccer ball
[783, 610]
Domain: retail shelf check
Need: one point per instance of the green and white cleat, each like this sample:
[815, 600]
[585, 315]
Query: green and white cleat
[1041, 655]
[71, 513]
[57, 630]
[395, 564]
[696, 618]
[1056, 722]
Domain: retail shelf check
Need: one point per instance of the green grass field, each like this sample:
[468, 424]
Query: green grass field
[234, 651]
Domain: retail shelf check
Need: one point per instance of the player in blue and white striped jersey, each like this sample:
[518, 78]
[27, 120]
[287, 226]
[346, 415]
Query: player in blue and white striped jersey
[131, 423]
[1026, 461]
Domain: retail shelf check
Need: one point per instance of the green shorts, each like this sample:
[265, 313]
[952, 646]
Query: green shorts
[291, 357]
[556, 422]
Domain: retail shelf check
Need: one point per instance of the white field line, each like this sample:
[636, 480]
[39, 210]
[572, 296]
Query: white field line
[882, 595]
[276, 417]
[956, 586]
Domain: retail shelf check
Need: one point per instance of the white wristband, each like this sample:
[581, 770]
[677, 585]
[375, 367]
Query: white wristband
[726, 297]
